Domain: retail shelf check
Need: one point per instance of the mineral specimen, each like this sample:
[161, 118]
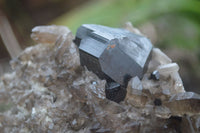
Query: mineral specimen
[48, 91]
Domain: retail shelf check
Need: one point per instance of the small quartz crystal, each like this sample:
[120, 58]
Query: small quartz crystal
[162, 58]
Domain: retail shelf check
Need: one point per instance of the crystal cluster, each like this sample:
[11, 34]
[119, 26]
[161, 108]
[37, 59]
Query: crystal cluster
[48, 91]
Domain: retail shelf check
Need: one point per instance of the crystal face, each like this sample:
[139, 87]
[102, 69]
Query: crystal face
[113, 53]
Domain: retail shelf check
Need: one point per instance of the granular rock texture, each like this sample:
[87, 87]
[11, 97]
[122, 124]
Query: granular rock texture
[48, 91]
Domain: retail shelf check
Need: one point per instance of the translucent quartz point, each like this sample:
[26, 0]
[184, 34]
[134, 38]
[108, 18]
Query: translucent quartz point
[48, 34]
[128, 26]
[134, 94]
[178, 85]
[135, 85]
[159, 56]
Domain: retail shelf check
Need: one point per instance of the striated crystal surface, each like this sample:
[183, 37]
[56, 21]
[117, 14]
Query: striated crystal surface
[48, 91]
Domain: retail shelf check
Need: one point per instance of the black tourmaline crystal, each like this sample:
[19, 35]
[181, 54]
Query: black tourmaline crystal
[155, 75]
[113, 54]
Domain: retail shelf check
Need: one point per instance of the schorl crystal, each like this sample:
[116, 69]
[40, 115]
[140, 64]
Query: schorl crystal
[155, 75]
[112, 53]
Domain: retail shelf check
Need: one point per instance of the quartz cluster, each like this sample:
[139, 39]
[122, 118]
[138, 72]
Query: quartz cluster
[48, 91]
